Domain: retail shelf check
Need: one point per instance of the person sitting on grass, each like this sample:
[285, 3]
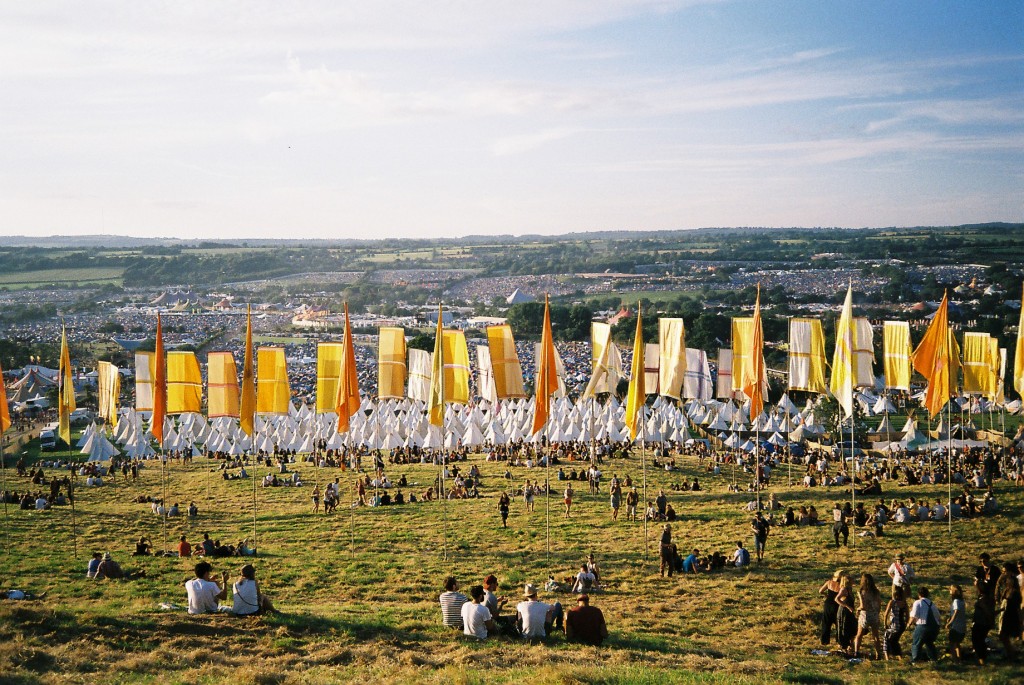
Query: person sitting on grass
[451, 603]
[537, 619]
[109, 568]
[184, 547]
[247, 599]
[94, 565]
[584, 581]
[740, 556]
[143, 548]
[585, 623]
[692, 563]
[203, 593]
[476, 617]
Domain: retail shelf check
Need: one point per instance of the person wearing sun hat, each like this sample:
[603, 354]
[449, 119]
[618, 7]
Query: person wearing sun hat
[902, 574]
[536, 618]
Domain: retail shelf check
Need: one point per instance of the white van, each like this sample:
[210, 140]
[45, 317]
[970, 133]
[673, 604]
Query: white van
[47, 439]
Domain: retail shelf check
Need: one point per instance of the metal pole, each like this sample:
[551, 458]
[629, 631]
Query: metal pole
[547, 500]
[949, 469]
[3, 474]
[643, 466]
[853, 482]
[255, 463]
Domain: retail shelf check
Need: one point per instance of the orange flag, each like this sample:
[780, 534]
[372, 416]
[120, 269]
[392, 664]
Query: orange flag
[247, 400]
[932, 359]
[159, 386]
[546, 383]
[347, 401]
[5, 413]
[752, 381]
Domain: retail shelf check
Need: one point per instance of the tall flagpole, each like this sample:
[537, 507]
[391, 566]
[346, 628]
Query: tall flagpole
[853, 482]
[441, 484]
[643, 462]
[949, 466]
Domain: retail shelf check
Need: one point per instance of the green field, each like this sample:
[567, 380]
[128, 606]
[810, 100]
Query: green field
[359, 588]
[98, 275]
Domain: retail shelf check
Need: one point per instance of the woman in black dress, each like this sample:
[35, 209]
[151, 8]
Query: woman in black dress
[846, 623]
[830, 610]
[1008, 605]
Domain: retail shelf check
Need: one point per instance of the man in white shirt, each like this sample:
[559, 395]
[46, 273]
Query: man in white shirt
[902, 574]
[203, 593]
[584, 581]
[536, 617]
[476, 617]
[925, 618]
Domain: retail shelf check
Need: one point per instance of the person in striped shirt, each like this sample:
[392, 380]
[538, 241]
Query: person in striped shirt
[451, 603]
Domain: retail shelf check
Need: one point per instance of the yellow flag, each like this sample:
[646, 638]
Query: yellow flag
[159, 385]
[273, 395]
[977, 363]
[806, 355]
[897, 349]
[605, 375]
[672, 365]
[184, 383]
[247, 401]
[145, 370]
[637, 395]
[108, 392]
[391, 363]
[66, 401]
[546, 381]
[1018, 357]
[456, 367]
[994, 370]
[842, 359]
[347, 402]
[505, 367]
[932, 359]
[328, 373]
[752, 370]
[221, 385]
[435, 405]
[5, 412]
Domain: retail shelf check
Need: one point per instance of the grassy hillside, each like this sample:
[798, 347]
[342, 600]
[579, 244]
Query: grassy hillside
[359, 588]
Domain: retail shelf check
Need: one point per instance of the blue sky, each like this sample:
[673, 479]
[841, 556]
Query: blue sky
[402, 118]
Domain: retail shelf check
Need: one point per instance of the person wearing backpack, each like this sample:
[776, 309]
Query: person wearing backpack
[925, 617]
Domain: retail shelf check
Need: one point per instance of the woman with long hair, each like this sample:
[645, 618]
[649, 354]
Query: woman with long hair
[870, 600]
[896, 615]
[830, 610]
[1008, 599]
[846, 622]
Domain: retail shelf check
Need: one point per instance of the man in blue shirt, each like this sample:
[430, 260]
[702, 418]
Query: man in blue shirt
[692, 563]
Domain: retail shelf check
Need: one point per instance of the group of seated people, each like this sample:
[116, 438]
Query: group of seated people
[103, 566]
[204, 594]
[480, 614]
[213, 548]
[586, 580]
[39, 500]
[272, 481]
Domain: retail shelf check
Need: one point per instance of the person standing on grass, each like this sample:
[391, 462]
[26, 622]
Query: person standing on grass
[902, 574]
[1007, 603]
[896, 615]
[846, 620]
[926, 620]
[840, 526]
[503, 505]
[957, 623]
[528, 496]
[666, 550]
[632, 500]
[759, 527]
[567, 499]
[616, 498]
[868, 615]
[984, 620]
[451, 603]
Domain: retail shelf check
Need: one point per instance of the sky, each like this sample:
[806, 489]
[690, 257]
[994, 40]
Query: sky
[422, 119]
